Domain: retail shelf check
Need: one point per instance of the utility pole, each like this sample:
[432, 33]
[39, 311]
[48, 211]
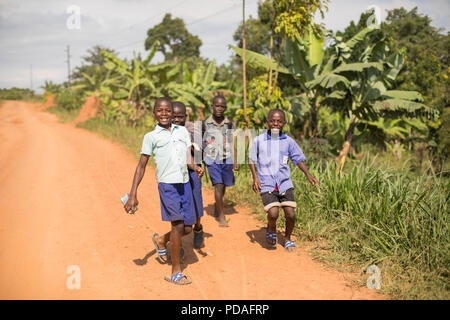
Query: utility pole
[31, 77]
[243, 65]
[68, 66]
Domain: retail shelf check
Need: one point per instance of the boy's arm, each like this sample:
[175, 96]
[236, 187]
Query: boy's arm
[298, 158]
[191, 165]
[252, 158]
[311, 179]
[138, 175]
[256, 182]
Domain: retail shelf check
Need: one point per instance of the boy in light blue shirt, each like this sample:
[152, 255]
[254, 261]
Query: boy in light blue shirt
[171, 145]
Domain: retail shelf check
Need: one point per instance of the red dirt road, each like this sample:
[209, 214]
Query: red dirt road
[59, 206]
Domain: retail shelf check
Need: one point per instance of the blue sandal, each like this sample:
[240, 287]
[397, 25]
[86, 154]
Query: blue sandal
[176, 279]
[289, 244]
[162, 253]
[271, 238]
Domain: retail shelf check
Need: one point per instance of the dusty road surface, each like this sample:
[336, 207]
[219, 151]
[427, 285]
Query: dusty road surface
[59, 207]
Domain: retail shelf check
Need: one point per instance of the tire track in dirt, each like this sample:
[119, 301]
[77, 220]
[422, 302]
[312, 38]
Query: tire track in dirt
[60, 206]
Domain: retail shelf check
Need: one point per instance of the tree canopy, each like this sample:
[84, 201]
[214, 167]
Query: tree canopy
[175, 41]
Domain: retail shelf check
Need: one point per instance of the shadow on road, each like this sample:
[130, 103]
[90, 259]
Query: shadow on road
[259, 236]
[190, 254]
[227, 209]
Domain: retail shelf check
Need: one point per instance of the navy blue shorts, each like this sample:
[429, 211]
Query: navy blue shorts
[221, 172]
[176, 202]
[196, 186]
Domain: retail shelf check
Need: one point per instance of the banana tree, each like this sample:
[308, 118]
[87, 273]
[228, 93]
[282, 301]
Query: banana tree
[98, 84]
[197, 87]
[304, 62]
[362, 92]
[51, 88]
[138, 80]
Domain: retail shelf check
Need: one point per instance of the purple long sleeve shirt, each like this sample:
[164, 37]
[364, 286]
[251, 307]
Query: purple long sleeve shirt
[271, 156]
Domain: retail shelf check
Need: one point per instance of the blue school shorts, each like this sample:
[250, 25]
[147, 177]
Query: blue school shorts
[221, 172]
[176, 202]
[196, 186]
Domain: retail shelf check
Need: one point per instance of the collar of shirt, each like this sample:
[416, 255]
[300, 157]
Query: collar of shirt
[158, 128]
[210, 119]
[267, 136]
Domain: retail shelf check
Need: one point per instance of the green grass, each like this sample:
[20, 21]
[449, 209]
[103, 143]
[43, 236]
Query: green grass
[64, 115]
[373, 215]
[370, 214]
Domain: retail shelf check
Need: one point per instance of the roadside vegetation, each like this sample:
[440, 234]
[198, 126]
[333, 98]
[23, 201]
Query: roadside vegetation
[19, 94]
[369, 107]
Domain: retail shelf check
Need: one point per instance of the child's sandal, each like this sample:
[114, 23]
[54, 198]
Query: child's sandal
[271, 238]
[178, 278]
[289, 244]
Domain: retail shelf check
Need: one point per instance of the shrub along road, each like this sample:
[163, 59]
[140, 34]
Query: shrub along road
[60, 207]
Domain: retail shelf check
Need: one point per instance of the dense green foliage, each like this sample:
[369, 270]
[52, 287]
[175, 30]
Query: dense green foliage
[16, 94]
[174, 40]
[69, 99]
[368, 91]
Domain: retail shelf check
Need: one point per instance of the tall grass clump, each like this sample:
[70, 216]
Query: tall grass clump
[64, 115]
[376, 215]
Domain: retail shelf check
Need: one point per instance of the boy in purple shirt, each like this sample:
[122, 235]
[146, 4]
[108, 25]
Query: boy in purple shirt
[271, 151]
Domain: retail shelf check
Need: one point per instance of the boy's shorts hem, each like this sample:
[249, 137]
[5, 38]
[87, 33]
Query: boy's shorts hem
[176, 202]
[271, 205]
[221, 173]
[275, 199]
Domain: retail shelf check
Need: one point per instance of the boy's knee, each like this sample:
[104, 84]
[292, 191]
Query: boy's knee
[187, 230]
[289, 213]
[178, 227]
[273, 213]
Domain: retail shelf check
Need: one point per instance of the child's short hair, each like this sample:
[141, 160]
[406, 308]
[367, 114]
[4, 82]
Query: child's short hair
[271, 112]
[179, 104]
[218, 96]
[158, 100]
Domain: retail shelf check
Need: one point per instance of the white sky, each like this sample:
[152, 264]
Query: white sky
[35, 32]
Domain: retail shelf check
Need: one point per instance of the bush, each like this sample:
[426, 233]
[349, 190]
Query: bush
[16, 94]
[69, 100]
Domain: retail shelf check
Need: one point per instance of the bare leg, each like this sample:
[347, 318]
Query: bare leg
[272, 216]
[198, 225]
[289, 213]
[178, 230]
[162, 240]
[219, 190]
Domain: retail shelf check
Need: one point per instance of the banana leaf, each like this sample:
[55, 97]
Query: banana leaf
[257, 60]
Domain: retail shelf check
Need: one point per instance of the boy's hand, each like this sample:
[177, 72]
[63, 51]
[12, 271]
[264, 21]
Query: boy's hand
[256, 185]
[131, 205]
[199, 171]
[313, 181]
[236, 166]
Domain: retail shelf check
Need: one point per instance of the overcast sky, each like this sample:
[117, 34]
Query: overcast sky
[35, 33]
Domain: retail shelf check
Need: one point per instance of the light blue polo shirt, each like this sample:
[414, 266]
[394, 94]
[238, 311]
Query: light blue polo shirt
[169, 149]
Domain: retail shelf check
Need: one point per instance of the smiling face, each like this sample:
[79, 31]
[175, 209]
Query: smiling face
[219, 106]
[179, 115]
[276, 121]
[163, 112]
